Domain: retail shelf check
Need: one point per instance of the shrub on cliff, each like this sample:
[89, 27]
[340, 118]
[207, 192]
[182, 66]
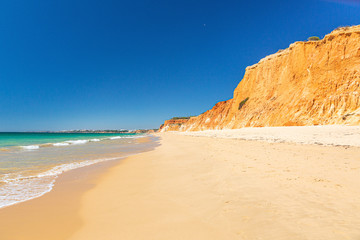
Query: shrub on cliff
[314, 38]
[177, 118]
[242, 103]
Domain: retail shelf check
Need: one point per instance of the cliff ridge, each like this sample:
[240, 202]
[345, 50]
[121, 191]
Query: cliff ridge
[309, 83]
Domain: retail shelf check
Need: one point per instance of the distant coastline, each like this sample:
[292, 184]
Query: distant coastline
[91, 131]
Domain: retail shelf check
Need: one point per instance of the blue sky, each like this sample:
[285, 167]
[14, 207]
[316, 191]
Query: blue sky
[74, 64]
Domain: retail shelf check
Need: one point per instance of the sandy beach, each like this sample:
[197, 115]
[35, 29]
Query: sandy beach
[180, 120]
[196, 187]
[55, 214]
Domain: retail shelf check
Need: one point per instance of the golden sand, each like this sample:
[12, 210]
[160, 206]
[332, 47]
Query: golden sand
[53, 216]
[210, 188]
[203, 188]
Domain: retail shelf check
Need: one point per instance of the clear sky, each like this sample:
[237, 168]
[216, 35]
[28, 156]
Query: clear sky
[75, 64]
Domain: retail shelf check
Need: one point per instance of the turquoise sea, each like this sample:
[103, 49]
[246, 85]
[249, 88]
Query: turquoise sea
[33, 139]
[30, 162]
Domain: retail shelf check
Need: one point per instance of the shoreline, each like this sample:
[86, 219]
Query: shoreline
[56, 177]
[16, 187]
[201, 188]
[56, 211]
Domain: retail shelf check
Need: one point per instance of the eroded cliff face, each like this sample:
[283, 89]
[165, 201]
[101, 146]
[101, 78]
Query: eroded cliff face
[172, 125]
[310, 83]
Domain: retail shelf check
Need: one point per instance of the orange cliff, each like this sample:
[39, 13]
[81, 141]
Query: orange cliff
[310, 83]
[172, 125]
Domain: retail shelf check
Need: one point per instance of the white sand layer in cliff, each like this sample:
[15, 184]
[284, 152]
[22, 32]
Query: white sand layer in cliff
[334, 135]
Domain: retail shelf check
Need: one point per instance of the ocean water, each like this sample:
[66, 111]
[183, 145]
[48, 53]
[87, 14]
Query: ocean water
[31, 162]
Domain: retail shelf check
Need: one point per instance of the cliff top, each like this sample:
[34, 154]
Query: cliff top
[338, 31]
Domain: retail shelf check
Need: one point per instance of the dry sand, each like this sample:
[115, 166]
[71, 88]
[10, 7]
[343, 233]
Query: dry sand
[330, 135]
[215, 188]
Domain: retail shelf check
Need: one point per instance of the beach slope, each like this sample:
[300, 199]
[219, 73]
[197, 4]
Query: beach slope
[195, 187]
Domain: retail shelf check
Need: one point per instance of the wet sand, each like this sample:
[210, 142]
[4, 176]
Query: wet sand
[55, 215]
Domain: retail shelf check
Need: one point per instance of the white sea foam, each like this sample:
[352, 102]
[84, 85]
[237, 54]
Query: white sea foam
[95, 140]
[20, 188]
[128, 136]
[77, 141]
[117, 137]
[23, 189]
[30, 147]
[60, 144]
[69, 166]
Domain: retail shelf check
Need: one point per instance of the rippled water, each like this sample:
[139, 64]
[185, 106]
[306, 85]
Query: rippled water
[28, 168]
